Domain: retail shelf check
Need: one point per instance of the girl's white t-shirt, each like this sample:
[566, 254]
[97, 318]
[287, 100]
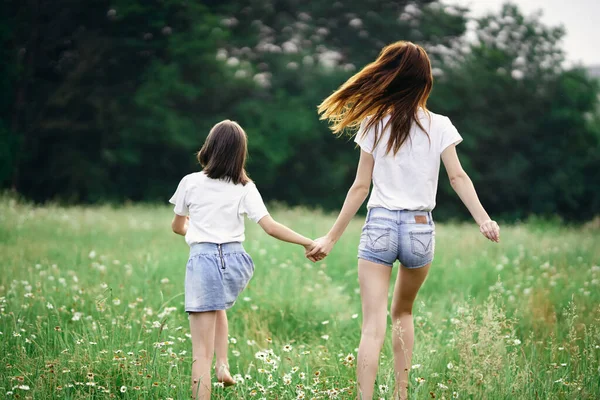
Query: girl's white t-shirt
[409, 179]
[216, 208]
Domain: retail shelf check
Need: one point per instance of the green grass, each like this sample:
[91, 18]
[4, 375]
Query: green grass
[100, 291]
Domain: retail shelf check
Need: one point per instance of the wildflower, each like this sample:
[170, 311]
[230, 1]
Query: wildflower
[324, 322]
[247, 298]
[517, 342]
[287, 379]
[123, 389]
[383, 388]
[354, 316]
[92, 254]
[302, 376]
[326, 337]
[164, 280]
[219, 384]
[416, 366]
[90, 383]
[349, 358]
[287, 348]
[450, 365]
[136, 388]
[232, 340]
[23, 387]
[420, 380]
[49, 306]
[442, 386]
[455, 395]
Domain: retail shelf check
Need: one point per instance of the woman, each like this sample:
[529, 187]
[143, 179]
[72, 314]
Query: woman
[401, 145]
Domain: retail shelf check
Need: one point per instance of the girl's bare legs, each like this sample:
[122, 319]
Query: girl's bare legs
[202, 329]
[408, 283]
[374, 280]
[221, 345]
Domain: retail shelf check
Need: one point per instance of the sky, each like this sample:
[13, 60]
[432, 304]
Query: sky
[580, 18]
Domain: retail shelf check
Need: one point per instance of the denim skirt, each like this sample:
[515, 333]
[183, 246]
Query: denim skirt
[215, 276]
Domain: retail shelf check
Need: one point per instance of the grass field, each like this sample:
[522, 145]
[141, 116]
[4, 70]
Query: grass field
[91, 303]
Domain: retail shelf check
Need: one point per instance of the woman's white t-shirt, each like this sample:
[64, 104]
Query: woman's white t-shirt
[216, 208]
[409, 179]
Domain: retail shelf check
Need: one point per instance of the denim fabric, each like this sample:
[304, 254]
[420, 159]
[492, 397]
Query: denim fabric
[406, 236]
[215, 276]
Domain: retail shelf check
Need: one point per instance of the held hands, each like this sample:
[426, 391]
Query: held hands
[319, 249]
[490, 230]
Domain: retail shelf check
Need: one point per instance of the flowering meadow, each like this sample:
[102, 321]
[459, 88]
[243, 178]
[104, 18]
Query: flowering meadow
[91, 306]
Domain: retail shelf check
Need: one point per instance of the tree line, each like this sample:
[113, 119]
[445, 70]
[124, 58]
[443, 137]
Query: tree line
[108, 101]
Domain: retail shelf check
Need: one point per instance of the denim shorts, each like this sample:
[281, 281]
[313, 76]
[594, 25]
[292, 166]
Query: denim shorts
[215, 276]
[406, 236]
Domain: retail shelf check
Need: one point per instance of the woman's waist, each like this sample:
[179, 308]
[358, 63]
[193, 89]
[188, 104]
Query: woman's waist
[400, 215]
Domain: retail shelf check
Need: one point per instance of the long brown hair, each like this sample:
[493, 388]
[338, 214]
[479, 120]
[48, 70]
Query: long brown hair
[398, 83]
[224, 153]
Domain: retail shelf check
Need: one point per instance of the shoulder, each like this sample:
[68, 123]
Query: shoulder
[434, 121]
[193, 179]
[249, 187]
[435, 118]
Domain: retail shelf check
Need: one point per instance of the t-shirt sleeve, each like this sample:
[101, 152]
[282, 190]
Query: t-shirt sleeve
[365, 141]
[178, 199]
[252, 204]
[450, 135]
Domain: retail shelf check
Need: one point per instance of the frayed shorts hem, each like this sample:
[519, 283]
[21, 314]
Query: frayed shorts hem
[374, 260]
[419, 265]
[380, 262]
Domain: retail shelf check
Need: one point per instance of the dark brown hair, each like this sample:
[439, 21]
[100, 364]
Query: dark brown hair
[223, 155]
[398, 83]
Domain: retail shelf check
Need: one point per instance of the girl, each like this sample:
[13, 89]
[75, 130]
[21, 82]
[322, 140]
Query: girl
[208, 212]
[401, 143]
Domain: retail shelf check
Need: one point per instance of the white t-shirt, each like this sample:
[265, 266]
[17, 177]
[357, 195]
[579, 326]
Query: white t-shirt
[216, 208]
[409, 179]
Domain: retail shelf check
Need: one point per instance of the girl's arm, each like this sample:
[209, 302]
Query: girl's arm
[462, 185]
[354, 199]
[282, 232]
[180, 224]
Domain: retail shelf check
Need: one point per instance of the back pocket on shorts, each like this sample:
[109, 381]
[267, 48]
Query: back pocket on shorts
[377, 238]
[421, 243]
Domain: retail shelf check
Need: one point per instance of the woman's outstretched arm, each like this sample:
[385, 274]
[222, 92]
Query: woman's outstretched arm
[462, 185]
[354, 199]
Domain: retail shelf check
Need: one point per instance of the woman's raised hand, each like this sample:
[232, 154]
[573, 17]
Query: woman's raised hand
[321, 249]
[490, 230]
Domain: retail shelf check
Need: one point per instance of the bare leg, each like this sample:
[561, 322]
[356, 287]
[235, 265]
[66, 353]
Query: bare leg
[202, 329]
[408, 283]
[374, 281]
[221, 344]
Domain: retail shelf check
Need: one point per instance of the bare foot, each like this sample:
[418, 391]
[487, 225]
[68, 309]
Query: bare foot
[224, 376]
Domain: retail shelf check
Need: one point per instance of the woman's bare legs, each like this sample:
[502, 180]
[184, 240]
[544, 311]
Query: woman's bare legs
[408, 283]
[221, 348]
[202, 329]
[374, 281]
